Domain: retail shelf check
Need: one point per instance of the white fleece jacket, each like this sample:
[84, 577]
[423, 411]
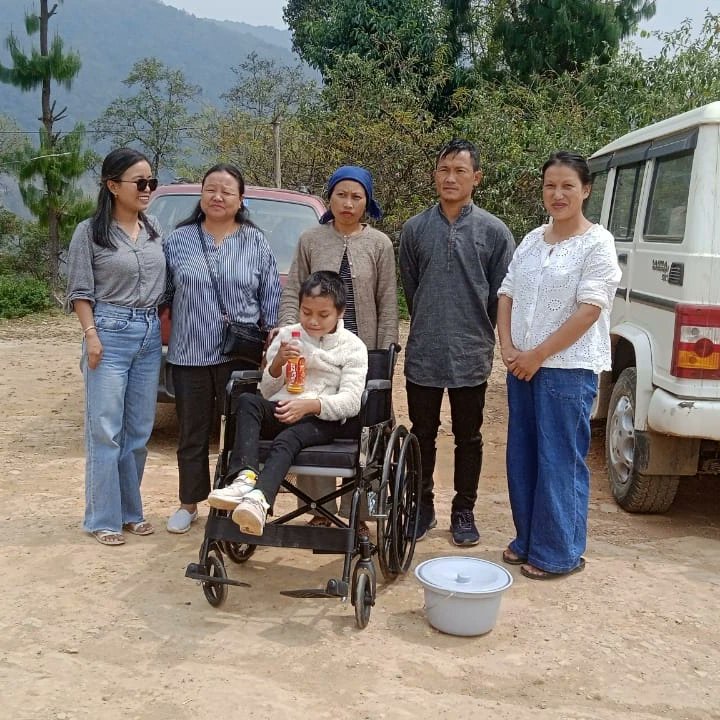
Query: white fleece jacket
[335, 369]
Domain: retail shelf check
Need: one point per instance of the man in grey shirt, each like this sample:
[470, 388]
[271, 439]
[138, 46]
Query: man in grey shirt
[453, 258]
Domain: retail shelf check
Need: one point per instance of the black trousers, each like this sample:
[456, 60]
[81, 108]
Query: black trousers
[199, 396]
[466, 411]
[256, 420]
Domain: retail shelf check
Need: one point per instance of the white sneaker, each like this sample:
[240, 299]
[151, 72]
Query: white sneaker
[228, 497]
[250, 513]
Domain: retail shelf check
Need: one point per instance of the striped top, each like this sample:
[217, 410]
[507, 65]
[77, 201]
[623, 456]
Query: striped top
[349, 316]
[247, 276]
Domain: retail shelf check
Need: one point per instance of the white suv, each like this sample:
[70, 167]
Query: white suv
[658, 191]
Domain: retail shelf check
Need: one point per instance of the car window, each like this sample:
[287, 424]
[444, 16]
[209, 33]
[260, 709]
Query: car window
[172, 209]
[624, 202]
[667, 207]
[282, 222]
[593, 205]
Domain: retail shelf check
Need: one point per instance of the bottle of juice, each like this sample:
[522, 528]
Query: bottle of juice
[295, 367]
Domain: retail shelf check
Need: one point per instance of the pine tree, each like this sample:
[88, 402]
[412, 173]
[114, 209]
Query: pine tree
[59, 160]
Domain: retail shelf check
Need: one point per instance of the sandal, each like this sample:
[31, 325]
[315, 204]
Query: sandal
[533, 573]
[363, 530]
[108, 537]
[319, 521]
[139, 528]
[510, 558]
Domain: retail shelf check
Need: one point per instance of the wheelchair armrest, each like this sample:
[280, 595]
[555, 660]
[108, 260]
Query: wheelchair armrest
[372, 385]
[242, 377]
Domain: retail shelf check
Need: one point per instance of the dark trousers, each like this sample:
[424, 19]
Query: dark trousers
[199, 397]
[256, 420]
[466, 410]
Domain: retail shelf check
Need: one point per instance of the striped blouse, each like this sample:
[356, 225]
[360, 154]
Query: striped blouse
[247, 275]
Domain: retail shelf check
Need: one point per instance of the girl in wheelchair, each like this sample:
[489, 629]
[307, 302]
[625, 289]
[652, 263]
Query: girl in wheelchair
[336, 363]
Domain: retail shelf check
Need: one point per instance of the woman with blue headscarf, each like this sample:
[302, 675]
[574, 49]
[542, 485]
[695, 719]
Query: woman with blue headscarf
[365, 259]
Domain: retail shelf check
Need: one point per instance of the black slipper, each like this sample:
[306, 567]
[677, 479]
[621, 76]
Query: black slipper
[545, 575]
[509, 560]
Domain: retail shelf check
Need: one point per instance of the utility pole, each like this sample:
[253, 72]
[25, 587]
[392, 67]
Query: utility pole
[276, 138]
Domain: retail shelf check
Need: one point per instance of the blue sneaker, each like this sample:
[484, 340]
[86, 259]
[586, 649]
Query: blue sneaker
[463, 528]
[427, 521]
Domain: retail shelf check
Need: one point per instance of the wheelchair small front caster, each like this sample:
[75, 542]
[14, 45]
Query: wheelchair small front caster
[363, 597]
[215, 592]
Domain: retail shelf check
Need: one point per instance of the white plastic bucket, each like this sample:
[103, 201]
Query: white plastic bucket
[462, 594]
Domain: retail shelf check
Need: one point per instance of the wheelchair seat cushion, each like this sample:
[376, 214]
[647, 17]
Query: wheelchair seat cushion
[337, 454]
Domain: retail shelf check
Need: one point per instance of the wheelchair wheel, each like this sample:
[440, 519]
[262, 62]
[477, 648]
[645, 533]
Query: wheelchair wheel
[362, 596]
[405, 507]
[215, 592]
[238, 552]
[385, 503]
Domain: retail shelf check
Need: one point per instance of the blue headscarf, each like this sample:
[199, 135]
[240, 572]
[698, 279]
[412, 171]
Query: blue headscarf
[359, 175]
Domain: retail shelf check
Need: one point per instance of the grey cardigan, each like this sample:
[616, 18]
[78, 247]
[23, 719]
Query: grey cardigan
[372, 265]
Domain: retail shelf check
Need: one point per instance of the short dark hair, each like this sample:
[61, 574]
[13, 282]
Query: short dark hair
[572, 160]
[325, 283]
[241, 216]
[456, 146]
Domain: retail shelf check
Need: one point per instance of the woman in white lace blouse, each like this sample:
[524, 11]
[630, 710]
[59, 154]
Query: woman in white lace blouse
[553, 323]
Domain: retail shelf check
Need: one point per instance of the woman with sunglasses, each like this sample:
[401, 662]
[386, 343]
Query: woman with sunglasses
[116, 279]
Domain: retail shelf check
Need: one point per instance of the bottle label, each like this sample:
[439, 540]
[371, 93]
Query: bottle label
[295, 375]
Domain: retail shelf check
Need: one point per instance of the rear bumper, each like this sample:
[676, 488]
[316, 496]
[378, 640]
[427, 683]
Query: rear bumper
[166, 389]
[670, 415]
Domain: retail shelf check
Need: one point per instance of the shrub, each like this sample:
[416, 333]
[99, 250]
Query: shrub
[22, 295]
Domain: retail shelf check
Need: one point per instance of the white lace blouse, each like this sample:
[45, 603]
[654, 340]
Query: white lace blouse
[548, 282]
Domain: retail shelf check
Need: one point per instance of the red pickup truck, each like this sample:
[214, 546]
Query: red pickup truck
[281, 214]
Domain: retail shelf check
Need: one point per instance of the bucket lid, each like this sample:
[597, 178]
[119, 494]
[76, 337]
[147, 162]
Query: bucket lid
[463, 575]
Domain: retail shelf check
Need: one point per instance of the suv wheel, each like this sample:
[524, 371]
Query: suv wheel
[632, 491]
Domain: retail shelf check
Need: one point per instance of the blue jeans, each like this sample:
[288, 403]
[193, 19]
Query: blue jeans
[548, 478]
[120, 397]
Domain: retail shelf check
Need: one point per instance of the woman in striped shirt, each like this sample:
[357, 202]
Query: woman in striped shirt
[217, 238]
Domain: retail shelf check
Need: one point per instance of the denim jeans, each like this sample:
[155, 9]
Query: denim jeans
[120, 397]
[466, 412]
[548, 478]
[256, 420]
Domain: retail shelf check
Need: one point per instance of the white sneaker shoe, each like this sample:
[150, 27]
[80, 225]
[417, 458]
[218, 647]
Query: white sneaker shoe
[250, 513]
[228, 497]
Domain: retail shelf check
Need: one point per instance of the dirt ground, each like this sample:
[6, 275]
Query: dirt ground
[90, 631]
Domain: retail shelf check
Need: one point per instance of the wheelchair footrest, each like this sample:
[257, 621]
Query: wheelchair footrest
[311, 593]
[334, 589]
[195, 571]
[330, 540]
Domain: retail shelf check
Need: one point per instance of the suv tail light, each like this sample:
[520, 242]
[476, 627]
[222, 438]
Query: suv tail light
[696, 348]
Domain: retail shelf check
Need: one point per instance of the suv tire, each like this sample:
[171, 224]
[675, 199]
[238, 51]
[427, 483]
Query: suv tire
[632, 491]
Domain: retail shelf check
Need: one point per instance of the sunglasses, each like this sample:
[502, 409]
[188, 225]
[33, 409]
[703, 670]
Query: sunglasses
[143, 183]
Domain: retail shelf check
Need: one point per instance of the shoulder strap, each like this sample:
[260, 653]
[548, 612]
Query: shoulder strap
[210, 270]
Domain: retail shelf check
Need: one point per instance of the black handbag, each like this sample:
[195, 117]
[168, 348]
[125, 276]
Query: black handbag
[243, 341]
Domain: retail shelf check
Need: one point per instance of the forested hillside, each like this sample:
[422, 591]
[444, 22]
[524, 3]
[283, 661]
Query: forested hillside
[111, 36]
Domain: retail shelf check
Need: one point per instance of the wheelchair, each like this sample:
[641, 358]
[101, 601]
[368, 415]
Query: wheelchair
[381, 467]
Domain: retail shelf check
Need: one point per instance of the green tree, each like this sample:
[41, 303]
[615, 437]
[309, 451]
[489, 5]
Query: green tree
[404, 37]
[59, 159]
[155, 119]
[556, 36]
[267, 90]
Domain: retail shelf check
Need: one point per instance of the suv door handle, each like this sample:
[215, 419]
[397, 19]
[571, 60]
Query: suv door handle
[622, 258]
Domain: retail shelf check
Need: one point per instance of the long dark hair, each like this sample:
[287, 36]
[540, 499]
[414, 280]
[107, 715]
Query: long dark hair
[241, 216]
[113, 167]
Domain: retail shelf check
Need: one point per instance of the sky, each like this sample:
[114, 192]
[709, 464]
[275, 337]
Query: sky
[269, 12]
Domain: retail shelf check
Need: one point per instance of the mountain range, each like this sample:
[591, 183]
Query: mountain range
[111, 36]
